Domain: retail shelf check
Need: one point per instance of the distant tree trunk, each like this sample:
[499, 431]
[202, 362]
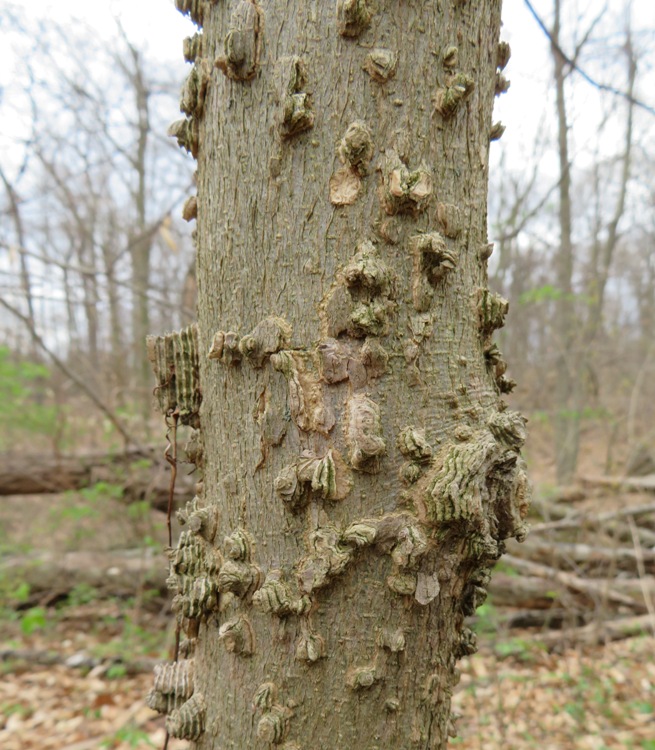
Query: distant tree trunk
[568, 388]
[576, 333]
[87, 257]
[116, 336]
[141, 236]
[360, 468]
[25, 280]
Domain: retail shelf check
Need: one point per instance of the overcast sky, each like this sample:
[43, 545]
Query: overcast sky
[157, 27]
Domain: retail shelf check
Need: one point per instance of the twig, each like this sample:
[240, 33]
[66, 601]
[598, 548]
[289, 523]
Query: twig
[595, 632]
[578, 520]
[574, 66]
[171, 437]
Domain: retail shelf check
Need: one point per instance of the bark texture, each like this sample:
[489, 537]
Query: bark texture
[360, 469]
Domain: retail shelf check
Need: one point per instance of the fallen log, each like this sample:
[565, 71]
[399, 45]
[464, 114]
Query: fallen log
[78, 660]
[595, 633]
[526, 592]
[142, 475]
[552, 618]
[34, 475]
[634, 484]
[118, 573]
[562, 553]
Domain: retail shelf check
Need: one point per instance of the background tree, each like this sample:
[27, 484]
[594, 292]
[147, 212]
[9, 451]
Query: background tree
[360, 468]
[564, 344]
[90, 189]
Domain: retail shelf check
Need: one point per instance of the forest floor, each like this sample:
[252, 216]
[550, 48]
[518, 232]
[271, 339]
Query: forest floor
[591, 698]
[514, 693]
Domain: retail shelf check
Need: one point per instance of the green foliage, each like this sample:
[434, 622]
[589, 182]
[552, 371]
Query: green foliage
[586, 413]
[486, 618]
[116, 671]
[575, 710]
[11, 709]
[133, 639]
[129, 734]
[76, 512]
[81, 594]
[33, 619]
[539, 416]
[504, 567]
[24, 410]
[102, 491]
[547, 293]
[518, 648]
[12, 595]
[550, 293]
[87, 504]
[138, 511]
[141, 464]
[21, 593]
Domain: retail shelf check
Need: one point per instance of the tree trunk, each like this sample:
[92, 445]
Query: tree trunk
[568, 388]
[360, 469]
[140, 239]
[116, 334]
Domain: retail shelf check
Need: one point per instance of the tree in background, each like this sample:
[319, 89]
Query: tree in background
[360, 469]
[569, 240]
[89, 187]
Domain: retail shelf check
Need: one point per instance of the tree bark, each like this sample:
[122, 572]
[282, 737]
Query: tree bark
[360, 469]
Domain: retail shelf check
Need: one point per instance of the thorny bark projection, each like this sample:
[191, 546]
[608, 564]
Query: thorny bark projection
[360, 469]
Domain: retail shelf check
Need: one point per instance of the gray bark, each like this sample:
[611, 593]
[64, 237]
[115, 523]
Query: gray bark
[360, 471]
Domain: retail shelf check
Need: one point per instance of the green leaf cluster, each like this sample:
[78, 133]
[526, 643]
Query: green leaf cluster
[24, 407]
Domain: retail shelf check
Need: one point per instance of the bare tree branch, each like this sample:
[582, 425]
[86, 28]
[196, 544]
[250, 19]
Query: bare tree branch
[574, 66]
